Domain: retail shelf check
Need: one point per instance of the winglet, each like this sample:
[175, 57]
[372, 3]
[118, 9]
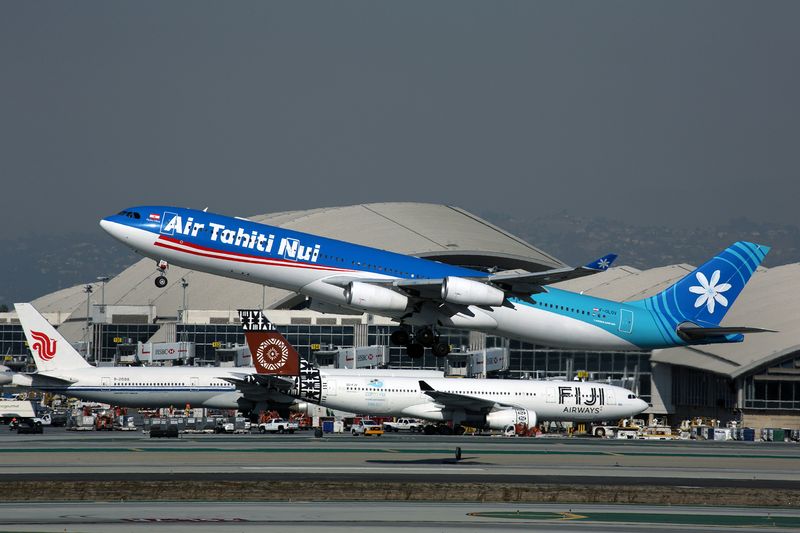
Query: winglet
[424, 387]
[602, 263]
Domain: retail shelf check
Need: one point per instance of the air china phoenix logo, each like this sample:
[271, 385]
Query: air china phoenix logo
[709, 291]
[44, 346]
[272, 354]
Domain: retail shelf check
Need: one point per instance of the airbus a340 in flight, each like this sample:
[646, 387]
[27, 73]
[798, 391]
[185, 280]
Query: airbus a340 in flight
[427, 294]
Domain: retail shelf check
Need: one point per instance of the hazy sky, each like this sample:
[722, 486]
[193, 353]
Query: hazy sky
[679, 113]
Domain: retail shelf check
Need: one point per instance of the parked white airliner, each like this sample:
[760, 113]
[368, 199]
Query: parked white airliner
[62, 370]
[484, 403]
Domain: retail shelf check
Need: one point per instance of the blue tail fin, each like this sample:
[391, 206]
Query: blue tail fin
[704, 296]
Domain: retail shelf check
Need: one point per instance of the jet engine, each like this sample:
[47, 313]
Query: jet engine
[467, 292]
[374, 298]
[510, 417]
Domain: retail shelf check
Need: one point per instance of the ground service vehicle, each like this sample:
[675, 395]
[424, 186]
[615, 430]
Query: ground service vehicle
[29, 425]
[403, 424]
[367, 427]
[278, 425]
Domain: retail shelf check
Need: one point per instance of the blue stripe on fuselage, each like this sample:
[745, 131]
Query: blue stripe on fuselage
[332, 253]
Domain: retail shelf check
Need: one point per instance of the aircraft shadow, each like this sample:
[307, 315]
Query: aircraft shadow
[447, 461]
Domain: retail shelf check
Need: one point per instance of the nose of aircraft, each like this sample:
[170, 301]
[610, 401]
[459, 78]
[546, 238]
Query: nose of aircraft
[115, 229]
[642, 405]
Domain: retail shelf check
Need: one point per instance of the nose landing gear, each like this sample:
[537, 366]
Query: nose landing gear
[161, 280]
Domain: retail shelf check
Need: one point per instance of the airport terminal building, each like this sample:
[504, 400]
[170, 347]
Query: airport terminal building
[194, 319]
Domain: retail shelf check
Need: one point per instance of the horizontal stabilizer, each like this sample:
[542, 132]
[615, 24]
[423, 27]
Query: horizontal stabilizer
[259, 380]
[695, 333]
[44, 379]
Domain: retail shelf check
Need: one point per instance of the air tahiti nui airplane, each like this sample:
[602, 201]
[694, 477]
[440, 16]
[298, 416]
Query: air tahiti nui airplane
[426, 294]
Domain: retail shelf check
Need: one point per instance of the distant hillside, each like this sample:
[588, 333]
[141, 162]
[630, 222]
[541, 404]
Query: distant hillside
[36, 266]
[576, 239]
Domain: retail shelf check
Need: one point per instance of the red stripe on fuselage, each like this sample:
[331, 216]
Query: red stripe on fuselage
[203, 251]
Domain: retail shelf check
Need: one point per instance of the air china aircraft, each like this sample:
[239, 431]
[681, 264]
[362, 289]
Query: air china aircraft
[427, 294]
[62, 370]
[484, 403]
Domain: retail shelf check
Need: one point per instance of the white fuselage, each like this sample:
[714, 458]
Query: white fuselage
[146, 386]
[550, 400]
[172, 386]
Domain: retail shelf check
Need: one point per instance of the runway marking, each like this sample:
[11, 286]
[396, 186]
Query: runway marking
[368, 450]
[693, 519]
[455, 469]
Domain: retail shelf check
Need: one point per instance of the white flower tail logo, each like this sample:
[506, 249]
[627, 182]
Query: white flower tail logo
[602, 264]
[709, 291]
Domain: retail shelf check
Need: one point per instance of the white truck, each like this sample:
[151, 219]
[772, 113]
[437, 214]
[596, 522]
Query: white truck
[16, 409]
[403, 424]
[278, 425]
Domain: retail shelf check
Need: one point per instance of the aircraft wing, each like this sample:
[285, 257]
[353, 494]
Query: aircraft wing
[256, 383]
[510, 282]
[531, 282]
[460, 401]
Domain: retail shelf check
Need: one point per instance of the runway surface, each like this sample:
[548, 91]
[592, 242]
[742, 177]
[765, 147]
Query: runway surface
[69, 455]
[421, 517]
[129, 482]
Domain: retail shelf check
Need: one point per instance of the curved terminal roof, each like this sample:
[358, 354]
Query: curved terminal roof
[441, 232]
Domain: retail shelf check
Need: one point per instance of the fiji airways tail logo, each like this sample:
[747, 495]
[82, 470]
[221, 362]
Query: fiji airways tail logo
[709, 291]
[44, 346]
[272, 354]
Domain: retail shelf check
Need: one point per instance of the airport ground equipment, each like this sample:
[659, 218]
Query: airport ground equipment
[29, 425]
[164, 429]
[366, 428]
[403, 424]
[278, 425]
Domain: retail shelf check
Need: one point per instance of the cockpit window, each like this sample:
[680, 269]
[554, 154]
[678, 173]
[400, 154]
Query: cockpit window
[130, 214]
[631, 396]
[136, 215]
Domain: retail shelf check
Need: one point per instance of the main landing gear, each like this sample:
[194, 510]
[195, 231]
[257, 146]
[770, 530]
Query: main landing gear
[416, 344]
[161, 280]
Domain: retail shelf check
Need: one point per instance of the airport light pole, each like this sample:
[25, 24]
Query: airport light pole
[88, 290]
[103, 280]
[184, 285]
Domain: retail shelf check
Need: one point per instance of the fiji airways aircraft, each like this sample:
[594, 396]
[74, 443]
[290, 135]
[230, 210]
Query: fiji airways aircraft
[484, 403]
[426, 293]
[62, 370]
